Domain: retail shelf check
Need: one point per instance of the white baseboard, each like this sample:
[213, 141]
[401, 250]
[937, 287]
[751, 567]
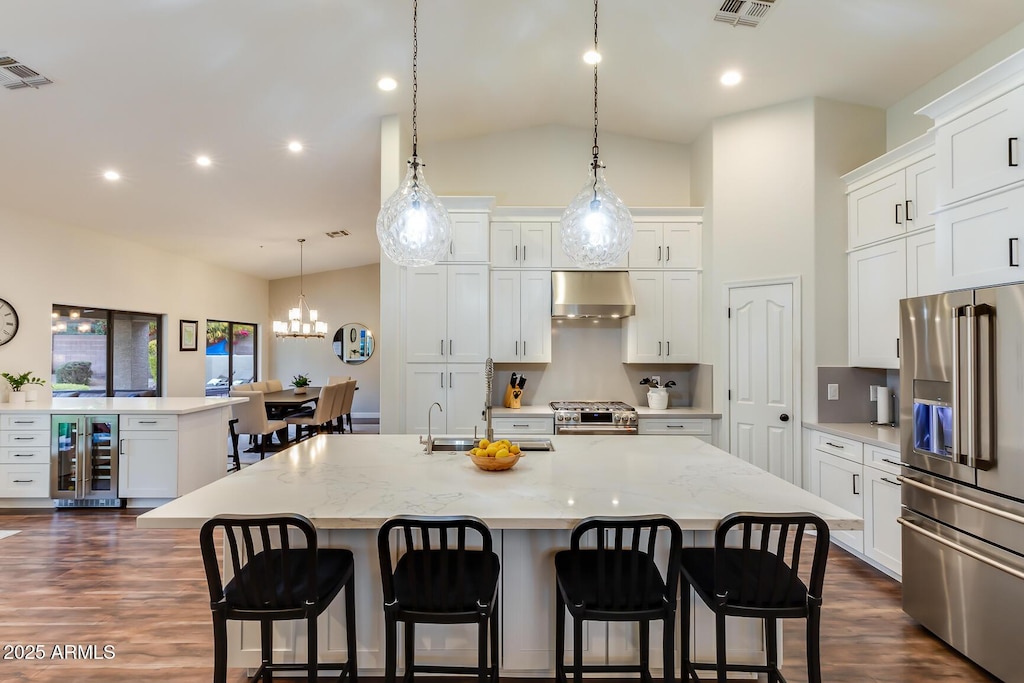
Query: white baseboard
[374, 416]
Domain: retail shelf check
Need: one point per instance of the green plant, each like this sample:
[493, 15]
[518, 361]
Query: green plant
[300, 381]
[18, 381]
[75, 372]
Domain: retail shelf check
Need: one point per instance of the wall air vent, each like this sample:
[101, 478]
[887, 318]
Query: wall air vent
[15, 75]
[744, 12]
[338, 233]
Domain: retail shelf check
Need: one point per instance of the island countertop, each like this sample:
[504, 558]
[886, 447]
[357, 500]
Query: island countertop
[100, 405]
[357, 481]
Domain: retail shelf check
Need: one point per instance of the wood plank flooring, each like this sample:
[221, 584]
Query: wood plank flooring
[89, 577]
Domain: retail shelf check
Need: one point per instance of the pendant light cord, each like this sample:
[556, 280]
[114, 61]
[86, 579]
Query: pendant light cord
[301, 292]
[415, 84]
[596, 149]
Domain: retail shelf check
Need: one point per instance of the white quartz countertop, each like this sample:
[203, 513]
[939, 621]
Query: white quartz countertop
[883, 436]
[357, 481]
[642, 411]
[122, 406]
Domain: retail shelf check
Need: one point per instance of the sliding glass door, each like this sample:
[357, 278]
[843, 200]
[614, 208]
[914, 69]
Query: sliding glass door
[230, 355]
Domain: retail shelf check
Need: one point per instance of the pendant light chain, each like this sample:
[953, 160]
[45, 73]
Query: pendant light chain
[596, 149]
[415, 84]
[302, 291]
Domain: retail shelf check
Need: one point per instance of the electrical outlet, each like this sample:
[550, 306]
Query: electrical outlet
[872, 393]
[656, 379]
[833, 392]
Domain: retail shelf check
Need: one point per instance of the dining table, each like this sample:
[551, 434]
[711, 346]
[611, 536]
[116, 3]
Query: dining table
[282, 402]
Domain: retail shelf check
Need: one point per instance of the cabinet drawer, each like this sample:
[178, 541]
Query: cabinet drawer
[837, 445]
[882, 459]
[679, 426]
[523, 425]
[145, 422]
[21, 421]
[14, 438]
[30, 455]
[24, 481]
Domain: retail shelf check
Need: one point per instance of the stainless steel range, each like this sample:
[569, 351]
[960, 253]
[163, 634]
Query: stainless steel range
[594, 417]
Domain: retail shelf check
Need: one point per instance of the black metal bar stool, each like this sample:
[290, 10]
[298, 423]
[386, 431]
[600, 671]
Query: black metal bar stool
[618, 580]
[440, 578]
[278, 573]
[760, 578]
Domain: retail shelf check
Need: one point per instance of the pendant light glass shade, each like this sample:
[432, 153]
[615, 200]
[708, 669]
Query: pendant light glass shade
[597, 228]
[413, 227]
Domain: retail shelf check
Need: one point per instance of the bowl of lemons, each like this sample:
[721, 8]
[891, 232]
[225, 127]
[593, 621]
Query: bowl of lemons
[496, 456]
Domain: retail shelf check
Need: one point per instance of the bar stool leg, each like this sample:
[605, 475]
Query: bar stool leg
[495, 621]
[814, 644]
[350, 628]
[685, 670]
[220, 648]
[771, 648]
[668, 631]
[720, 647]
[311, 649]
[390, 648]
[559, 637]
[577, 650]
[481, 648]
[645, 649]
[410, 649]
[266, 651]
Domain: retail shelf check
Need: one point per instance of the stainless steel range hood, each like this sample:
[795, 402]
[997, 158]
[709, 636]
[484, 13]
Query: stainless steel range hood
[591, 294]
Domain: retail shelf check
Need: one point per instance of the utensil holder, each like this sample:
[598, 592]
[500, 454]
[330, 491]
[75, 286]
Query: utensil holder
[657, 399]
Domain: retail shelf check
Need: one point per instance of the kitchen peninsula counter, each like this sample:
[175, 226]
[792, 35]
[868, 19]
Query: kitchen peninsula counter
[101, 405]
[349, 484]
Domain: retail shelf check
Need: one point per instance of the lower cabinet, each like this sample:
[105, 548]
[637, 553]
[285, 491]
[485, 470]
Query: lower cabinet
[862, 479]
[523, 425]
[458, 387]
[698, 427]
[148, 464]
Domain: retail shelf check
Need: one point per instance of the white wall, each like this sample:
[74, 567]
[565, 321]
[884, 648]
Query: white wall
[547, 165]
[902, 125]
[44, 262]
[350, 295]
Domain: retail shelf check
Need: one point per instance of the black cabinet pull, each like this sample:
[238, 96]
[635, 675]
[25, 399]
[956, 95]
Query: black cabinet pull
[442, 379]
[524, 253]
[833, 445]
[23, 481]
[668, 254]
[517, 348]
[659, 254]
[897, 347]
[517, 252]
[524, 347]
[899, 221]
[449, 347]
[1011, 147]
[887, 480]
[907, 212]
[442, 347]
[22, 455]
[855, 491]
[1014, 260]
[659, 348]
[668, 348]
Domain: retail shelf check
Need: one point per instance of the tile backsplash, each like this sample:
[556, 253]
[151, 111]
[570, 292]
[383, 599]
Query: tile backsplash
[854, 404]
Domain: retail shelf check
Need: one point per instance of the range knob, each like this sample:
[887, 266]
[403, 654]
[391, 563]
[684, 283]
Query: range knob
[575, 418]
[560, 417]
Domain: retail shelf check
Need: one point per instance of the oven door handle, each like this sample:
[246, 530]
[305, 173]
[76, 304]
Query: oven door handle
[961, 549]
[964, 501]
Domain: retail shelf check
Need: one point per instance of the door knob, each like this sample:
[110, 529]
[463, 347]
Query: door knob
[784, 417]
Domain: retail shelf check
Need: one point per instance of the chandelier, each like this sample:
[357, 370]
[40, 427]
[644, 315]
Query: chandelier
[295, 326]
[413, 227]
[597, 228]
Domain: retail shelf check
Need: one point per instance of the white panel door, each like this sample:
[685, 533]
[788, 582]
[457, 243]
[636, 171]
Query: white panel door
[877, 210]
[682, 245]
[922, 271]
[761, 377]
[470, 243]
[535, 316]
[465, 398]
[878, 280]
[426, 305]
[424, 384]
[682, 316]
[504, 245]
[505, 320]
[148, 464]
[922, 194]
[644, 329]
[535, 245]
[468, 328]
[645, 252]
[882, 536]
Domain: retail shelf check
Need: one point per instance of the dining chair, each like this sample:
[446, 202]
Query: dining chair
[274, 385]
[252, 419]
[610, 573]
[760, 578]
[242, 387]
[337, 379]
[273, 570]
[321, 416]
[259, 386]
[345, 411]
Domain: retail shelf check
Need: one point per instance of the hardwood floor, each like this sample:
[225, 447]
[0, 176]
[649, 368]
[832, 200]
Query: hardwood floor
[89, 577]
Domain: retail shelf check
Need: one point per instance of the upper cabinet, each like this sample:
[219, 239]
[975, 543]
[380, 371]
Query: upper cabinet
[446, 314]
[980, 218]
[666, 245]
[521, 316]
[666, 326]
[521, 244]
[470, 217]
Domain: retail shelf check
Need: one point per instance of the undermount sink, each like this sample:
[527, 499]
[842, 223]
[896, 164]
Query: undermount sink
[462, 445]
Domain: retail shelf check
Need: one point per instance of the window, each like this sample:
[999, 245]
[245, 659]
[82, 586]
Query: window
[99, 352]
[230, 355]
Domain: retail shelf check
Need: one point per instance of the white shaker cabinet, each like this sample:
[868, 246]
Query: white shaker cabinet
[877, 282]
[979, 243]
[922, 274]
[666, 245]
[458, 387]
[840, 481]
[521, 316]
[148, 463]
[882, 536]
[897, 203]
[666, 325]
[470, 242]
[521, 244]
[446, 314]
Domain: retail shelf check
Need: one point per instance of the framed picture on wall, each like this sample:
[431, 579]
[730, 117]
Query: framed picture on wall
[188, 334]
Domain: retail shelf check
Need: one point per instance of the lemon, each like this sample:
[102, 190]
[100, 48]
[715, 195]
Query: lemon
[503, 453]
[492, 449]
[514, 450]
[484, 443]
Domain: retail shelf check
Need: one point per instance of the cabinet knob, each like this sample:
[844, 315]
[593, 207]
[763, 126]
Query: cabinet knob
[784, 417]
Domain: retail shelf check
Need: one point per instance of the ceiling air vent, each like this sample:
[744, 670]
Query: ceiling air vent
[744, 12]
[15, 75]
[338, 233]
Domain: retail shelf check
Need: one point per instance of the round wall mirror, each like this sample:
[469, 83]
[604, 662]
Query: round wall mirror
[353, 343]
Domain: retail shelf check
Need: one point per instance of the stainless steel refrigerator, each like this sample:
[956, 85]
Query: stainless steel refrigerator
[84, 460]
[962, 433]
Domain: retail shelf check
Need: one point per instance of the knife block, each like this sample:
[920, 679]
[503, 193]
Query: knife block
[515, 402]
[507, 402]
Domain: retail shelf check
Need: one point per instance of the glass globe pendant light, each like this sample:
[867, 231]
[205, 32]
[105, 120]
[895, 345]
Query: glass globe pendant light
[413, 227]
[597, 228]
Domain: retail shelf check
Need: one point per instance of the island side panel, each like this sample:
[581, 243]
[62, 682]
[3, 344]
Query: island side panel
[202, 448]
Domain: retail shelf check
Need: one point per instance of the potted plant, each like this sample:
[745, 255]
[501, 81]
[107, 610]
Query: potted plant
[657, 394]
[17, 382]
[300, 382]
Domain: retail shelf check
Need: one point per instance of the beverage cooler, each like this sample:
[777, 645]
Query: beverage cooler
[83, 457]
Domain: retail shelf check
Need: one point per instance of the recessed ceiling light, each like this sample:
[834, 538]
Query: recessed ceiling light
[111, 175]
[731, 78]
[203, 160]
[592, 57]
[295, 146]
[387, 83]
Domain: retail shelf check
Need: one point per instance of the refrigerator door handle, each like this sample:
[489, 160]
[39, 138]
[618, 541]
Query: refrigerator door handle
[981, 377]
[961, 500]
[961, 549]
[955, 446]
[971, 450]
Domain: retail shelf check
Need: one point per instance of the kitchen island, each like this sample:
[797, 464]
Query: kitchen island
[349, 484]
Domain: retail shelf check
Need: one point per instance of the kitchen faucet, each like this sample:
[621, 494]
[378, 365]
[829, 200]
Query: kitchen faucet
[429, 443]
[489, 377]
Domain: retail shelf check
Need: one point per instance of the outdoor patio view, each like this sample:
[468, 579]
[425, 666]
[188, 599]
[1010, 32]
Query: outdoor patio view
[230, 355]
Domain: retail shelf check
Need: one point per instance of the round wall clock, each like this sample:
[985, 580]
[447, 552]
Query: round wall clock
[8, 322]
